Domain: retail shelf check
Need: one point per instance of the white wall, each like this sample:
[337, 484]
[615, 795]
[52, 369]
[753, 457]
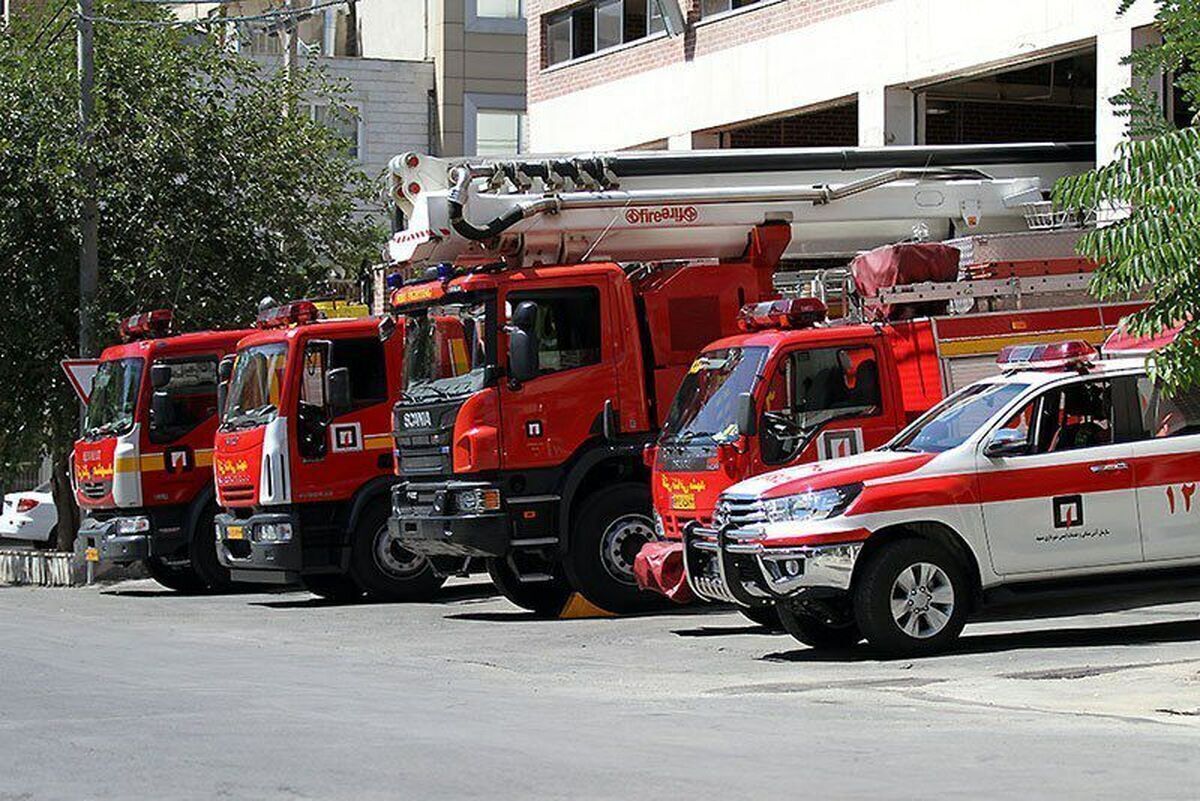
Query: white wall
[897, 43]
[393, 28]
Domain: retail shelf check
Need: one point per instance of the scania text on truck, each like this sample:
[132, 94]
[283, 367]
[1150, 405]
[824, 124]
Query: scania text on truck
[792, 388]
[1065, 484]
[303, 459]
[142, 468]
[577, 306]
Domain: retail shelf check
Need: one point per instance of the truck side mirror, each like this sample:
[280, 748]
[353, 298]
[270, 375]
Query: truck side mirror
[225, 369]
[162, 411]
[522, 343]
[338, 389]
[222, 397]
[747, 421]
[160, 375]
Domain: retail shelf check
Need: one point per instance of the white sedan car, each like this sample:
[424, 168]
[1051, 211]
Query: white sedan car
[29, 516]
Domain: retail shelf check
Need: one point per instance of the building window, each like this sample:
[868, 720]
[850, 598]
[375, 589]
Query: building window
[710, 8]
[347, 123]
[498, 132]
[599, 25]
[499, 9]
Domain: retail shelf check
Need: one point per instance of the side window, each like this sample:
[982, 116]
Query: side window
[567, 327]
[1165, 413]
[190, 398]
[368, 371]
[812, 388]
[1075, 416]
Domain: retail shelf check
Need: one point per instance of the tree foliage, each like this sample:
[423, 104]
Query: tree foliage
[210, 196]
[1153, 191]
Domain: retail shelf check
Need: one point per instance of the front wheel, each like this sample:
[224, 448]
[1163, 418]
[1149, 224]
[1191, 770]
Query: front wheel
[546, 598]
[383, 568]
[765, 616]
[610, 528]
[911, 598]
[202, 553]
[180, 578]
[819, 631]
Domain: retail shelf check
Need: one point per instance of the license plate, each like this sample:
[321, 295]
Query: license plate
[683, 502]
[92, 554]
[235, 533]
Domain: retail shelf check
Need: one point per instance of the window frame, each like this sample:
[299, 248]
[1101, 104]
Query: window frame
[539, 295]
[160, 436]
[477, 23]
[568, 13]
[474, 102]
[1144, 434]
[309, 108]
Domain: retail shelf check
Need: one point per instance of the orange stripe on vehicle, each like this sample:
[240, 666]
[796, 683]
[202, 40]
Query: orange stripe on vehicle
[983, 346]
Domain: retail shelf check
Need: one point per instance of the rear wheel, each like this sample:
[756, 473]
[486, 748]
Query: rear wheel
[179, 578]
[546, 598]
[610, 528]
[383, 568]
[817, 629]
[332, 587]
[911, 598]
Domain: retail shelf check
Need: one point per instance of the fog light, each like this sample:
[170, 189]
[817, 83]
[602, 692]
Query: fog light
[793, 567]
[273, 532]
[133, 525]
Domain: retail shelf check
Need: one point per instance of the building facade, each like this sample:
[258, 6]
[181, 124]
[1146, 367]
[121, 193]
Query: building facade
[617, 74]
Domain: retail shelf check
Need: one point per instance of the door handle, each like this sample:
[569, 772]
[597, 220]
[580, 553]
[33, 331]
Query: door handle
[1109, 467]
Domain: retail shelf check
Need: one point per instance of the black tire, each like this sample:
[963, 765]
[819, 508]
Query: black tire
[180, 579]
[598, 525]
[892, 569]
[546, 598]
[815, 632]
[333, 588]
[383, 569]
[765, 616]
[202, 553]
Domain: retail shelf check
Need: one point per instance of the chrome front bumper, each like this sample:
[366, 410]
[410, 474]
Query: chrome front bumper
[734, 566]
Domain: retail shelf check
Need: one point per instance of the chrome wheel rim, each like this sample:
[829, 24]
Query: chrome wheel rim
[922, 600]
[620, 543]
[394, 559]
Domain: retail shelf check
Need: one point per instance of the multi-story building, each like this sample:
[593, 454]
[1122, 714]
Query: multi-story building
[614, 74]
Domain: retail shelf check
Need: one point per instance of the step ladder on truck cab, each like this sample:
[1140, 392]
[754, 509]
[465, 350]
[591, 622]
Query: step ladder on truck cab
[552, 306]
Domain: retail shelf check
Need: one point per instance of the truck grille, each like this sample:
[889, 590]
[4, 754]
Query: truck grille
[95, 490]
[424, 461]
[738, 512]
[238, 492]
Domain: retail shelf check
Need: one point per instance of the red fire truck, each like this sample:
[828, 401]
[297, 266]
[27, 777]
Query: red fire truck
[522, 444]
[792, 388]
[303, 458]
[142, 470]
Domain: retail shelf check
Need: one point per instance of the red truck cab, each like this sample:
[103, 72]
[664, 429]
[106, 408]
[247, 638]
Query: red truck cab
[303, 457]
[142, 470]
[528, 398]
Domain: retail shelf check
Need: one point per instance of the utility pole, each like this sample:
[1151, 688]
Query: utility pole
[291, 53]
[89, 221]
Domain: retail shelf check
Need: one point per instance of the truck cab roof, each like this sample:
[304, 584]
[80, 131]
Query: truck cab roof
[190, 342]
[337, 326]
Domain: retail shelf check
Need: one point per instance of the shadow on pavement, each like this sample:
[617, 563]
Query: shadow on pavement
[1142, 634]
[714, 631]
[462, 592]
[248, 589]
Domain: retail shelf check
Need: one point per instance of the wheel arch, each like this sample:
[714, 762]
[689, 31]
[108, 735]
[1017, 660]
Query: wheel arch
[206, 497]
[366, 496]
[600, 467]
[932, 531]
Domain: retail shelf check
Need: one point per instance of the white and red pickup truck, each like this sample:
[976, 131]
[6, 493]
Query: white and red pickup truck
[1064, 483]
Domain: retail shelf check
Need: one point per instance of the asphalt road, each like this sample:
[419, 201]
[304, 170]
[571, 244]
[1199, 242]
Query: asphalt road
[130, 692]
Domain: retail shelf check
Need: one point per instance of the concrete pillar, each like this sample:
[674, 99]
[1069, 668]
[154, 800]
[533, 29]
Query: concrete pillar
[886, 116]
[1112, 77]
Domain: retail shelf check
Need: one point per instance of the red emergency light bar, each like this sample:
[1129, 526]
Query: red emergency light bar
[792, 313]
[147, 325]
[297, 312]
[1051, 356]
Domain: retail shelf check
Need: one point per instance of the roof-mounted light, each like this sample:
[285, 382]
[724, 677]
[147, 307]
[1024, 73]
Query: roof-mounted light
[296, 313]
[147, 325]
[1072, 354]
[791, 313]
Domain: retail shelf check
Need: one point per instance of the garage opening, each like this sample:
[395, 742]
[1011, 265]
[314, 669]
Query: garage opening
[1052, 100]
[831, 126]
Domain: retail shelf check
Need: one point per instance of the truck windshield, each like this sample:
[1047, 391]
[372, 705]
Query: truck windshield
[256, 386]
[113, 401]
[706, 404]
[445, 350]
[954, 420]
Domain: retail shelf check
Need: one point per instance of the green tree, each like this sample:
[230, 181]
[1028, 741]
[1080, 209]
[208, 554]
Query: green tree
[210, 198]
[1152, 186]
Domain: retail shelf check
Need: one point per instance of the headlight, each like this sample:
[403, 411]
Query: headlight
[133, 525]
[273, 532]
[477, 501]
[810, 505]
[660, 530]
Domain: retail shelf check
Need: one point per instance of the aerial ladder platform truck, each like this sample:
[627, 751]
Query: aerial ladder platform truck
[551, 307]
